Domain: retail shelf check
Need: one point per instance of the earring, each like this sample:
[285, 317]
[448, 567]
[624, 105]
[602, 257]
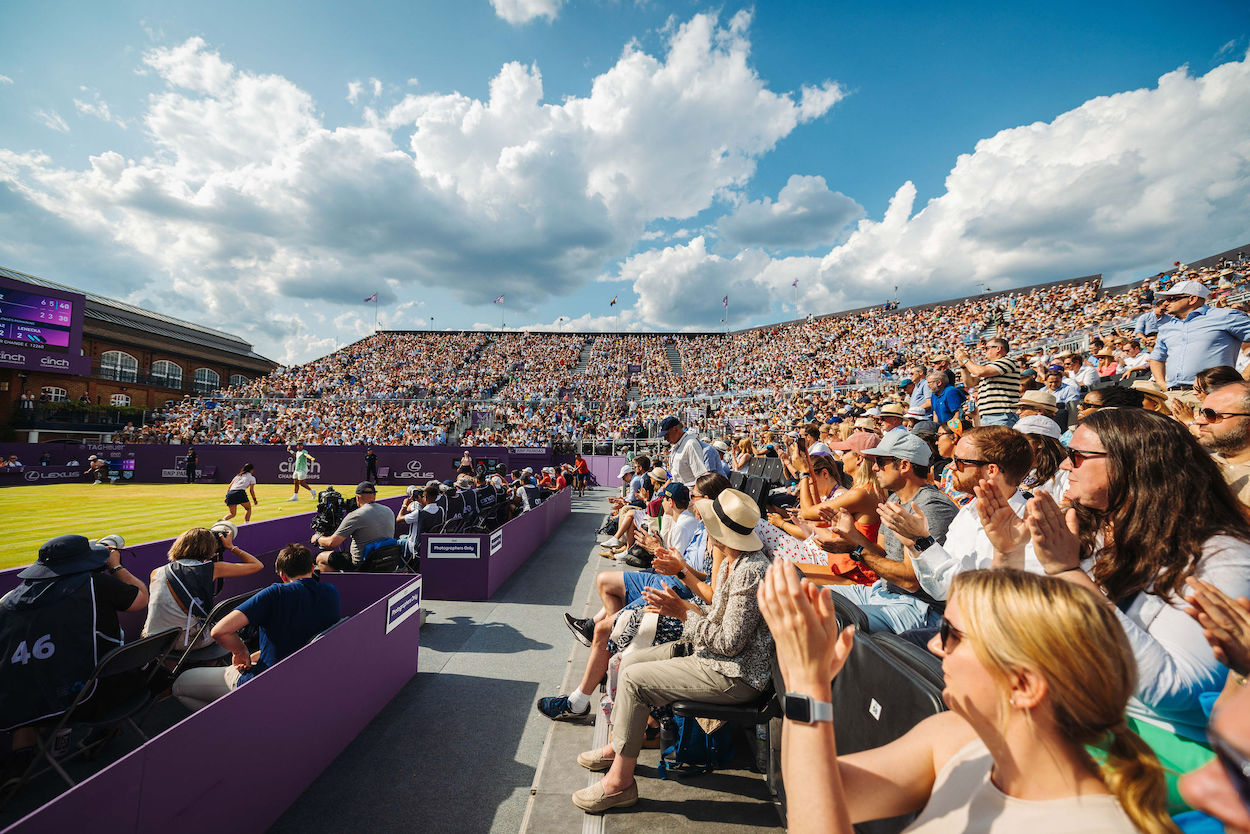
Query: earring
[1012, 701]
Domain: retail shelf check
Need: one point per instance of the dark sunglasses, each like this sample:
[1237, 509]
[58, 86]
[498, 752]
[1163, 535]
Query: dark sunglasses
[960, 463]
[945, 632]
[1079, 456]
[1085, 404]
[1213, 416]
[1235, 764]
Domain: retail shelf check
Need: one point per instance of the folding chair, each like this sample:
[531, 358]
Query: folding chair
[212, 654]
[148, 654]
[737, 479]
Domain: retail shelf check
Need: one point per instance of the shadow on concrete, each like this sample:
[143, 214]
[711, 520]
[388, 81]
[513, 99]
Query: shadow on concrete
[489, 637]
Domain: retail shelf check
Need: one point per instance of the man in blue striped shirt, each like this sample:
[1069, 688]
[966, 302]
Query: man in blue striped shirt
[1194, 337]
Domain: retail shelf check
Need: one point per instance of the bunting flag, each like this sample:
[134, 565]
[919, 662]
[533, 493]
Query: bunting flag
[373, 297]
[612, 303]
[499, 300]
[725, 302]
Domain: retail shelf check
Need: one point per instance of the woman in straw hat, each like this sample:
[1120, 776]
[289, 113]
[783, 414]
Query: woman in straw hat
[729, 657]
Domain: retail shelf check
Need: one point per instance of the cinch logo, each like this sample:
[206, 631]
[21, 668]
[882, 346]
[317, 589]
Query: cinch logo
[287, 468]
[20, 358]
[413, 471]
[53, 362]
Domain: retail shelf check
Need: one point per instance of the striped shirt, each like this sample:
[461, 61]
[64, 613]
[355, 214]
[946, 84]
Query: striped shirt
[1000, 393]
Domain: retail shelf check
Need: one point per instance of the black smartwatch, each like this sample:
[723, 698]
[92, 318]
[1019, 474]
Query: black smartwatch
[681, 574]
[857, 554]
[924, 543]
[806, 710]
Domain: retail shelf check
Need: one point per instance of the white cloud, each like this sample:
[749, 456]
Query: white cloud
[805, 214]
[1122, 185]
[523, 11]
[353, 91]
[4, 79]
[52, 119]
[97, 107]
[249, 210]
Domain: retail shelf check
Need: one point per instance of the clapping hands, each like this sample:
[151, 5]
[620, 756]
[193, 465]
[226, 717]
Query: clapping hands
[1225, 623]
[811, 650]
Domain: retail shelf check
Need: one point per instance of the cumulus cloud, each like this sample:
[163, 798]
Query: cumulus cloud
[523, 11]
[1122, 185]
[52, 119]
[249, 210]
[806, 214]
[4, 79]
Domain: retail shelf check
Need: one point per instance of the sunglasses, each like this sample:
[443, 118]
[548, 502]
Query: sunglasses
[1085, 404]
[945, 632]
[1213, 416]
[1079, 456]
[1235, 764]
[960, 463]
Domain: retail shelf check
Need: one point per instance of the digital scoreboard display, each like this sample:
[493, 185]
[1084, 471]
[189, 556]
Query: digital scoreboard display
[31, 320]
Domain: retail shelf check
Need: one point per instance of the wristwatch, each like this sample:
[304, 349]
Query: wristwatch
[115, 569]
[857, 554]
[681, 574]
[806, 710]
[924, 543]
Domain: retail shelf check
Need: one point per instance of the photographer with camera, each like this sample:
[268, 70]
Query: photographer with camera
[54, 628]
[369, 522]
[288, 613]
[182, 590]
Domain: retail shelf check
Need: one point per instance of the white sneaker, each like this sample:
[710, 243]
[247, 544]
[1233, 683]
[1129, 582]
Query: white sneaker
[611, 543]
[292, 498]
[316, 496]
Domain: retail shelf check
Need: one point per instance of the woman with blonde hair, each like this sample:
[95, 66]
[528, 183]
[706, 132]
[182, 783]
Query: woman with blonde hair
[1036, 670]
[744, 454]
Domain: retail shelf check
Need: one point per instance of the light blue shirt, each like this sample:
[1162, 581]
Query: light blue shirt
[1208, 336]
[919, 394]
[1067, 393]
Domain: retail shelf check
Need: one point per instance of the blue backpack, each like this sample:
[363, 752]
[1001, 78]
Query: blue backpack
[694, 751]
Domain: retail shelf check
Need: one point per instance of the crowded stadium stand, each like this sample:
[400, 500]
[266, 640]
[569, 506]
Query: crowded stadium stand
[891, 568]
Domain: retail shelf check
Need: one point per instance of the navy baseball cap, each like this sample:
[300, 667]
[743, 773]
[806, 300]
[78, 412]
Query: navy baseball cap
[669, 423]
[677, 491]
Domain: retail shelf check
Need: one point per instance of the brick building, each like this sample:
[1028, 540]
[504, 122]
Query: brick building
[139, 360]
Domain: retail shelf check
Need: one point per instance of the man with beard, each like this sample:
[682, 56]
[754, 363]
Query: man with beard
[1224, 429]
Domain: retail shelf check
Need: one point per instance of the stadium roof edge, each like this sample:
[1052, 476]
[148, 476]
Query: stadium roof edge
[115, 312]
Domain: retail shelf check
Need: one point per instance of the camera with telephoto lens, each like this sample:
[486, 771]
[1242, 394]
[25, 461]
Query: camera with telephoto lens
[220, 530]
[113, 541]
[331, 509]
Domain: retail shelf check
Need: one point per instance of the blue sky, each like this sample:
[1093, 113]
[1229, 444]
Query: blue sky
[264, 169]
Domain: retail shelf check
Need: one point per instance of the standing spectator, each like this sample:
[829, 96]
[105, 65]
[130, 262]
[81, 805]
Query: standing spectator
[686, 461]
[997, 383]
[1195, 336]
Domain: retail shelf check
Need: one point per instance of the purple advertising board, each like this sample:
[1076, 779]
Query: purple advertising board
[150, 463]
[41, 328]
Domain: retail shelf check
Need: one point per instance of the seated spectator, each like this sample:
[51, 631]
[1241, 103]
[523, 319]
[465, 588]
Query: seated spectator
[370, 522]
[182, 590]
[1223, 425]
[1130, 472]
[1048, 456]
[744, 454]
[73, 593]
[1038, 402]
[288, 613]
[730, 659]
[1035, 672]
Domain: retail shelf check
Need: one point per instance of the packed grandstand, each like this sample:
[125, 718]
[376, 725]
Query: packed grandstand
[541, 388]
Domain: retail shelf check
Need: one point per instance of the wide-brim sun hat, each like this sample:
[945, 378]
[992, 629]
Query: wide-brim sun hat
[64, 556]
[730, 519]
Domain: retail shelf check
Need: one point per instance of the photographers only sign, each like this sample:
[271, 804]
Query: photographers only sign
[453, 547]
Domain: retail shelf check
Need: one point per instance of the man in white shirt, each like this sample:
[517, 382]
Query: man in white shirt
[1078, 372]
[685, 459]
[996, 454]
[1134, 358]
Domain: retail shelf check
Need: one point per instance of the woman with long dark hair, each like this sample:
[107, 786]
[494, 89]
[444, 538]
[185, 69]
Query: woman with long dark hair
[1150, 509]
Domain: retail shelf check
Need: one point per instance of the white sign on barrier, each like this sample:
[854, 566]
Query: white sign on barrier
[446, 547]
[496, 541]
[403, 604]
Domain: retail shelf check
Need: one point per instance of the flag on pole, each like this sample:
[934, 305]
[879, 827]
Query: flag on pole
[795, 282]
[612, 303]
[499, 300]
[373, 297]
[725, 302]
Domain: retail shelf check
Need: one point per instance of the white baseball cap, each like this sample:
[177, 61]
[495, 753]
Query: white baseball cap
[1196, 288]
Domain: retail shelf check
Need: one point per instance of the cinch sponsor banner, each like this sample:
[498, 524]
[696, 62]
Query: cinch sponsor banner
[403, 604]
[496, 541]
[452, 548]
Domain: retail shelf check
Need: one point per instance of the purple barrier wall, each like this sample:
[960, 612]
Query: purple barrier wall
[148, 463]
[604, 469]
[466, 566]
[258, 745]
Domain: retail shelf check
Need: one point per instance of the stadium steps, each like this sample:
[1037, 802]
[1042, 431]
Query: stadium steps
[583, 358]
[674, 358]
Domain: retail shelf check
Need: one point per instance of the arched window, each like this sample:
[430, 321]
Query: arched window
[55, 395]
[119, 366]
[206, 380]
[166, 374]
[237, 379]
[119, 400]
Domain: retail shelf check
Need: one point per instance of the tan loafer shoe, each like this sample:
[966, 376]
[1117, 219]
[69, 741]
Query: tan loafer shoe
[593, 761]
[592, 800]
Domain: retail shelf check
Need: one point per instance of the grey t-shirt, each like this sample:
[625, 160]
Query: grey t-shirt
[937, 508]
[367, 524]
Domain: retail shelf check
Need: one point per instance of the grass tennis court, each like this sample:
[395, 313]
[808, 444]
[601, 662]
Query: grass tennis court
[30, 515]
